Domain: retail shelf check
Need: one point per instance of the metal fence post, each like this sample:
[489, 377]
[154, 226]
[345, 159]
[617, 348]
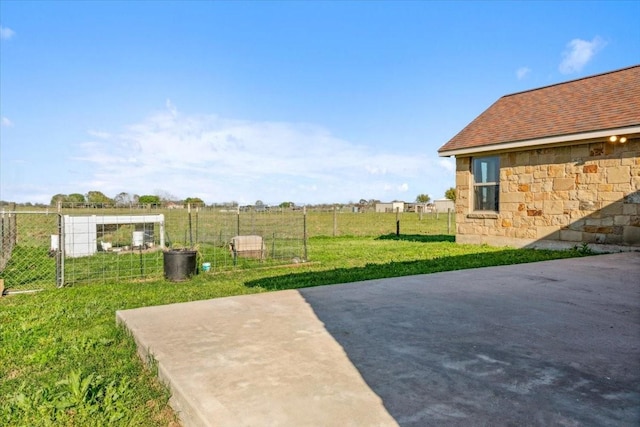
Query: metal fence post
[238, 221]
[197, 211]
[190, 226]
[2, 242]
[304, 232]
[60, 252]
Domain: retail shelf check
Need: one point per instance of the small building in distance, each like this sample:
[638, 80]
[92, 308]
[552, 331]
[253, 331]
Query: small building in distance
[390, 207]
[443, 205]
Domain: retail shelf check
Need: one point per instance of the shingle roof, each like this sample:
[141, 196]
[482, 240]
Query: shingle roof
[604, 101]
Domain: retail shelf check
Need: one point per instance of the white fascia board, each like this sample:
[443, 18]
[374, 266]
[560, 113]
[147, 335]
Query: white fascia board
[531, 143]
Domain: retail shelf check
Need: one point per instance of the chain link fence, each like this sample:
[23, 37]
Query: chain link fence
[8, 237]
[26, 258]
[94, 244]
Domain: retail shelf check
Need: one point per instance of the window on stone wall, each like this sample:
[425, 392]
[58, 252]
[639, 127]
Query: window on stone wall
[486, 183]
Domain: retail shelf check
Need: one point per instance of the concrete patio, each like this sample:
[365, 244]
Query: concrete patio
[549, 343]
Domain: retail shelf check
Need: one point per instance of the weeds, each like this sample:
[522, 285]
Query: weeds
[78, 399]
[583, 250]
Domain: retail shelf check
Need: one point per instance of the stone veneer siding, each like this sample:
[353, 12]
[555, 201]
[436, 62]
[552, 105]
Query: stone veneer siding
[557, 197]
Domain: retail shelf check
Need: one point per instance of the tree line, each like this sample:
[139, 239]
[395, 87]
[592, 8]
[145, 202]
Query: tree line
[123, 199]
[98, 198]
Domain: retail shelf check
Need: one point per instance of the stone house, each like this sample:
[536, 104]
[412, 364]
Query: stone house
[553, 167]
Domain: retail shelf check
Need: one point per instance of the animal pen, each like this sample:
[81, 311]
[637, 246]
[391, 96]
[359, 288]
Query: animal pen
[85, 246]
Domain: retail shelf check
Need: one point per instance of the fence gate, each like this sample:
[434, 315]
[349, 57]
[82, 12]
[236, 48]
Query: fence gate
[29, 253]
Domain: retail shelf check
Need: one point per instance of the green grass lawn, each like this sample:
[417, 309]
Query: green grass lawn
[63, 360]
[30, 265]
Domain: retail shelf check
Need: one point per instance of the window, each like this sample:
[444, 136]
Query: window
[486, 183]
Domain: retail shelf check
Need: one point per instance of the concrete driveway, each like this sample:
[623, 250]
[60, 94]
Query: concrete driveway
[548, 343]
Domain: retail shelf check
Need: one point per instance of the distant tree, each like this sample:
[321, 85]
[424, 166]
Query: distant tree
[165, 196]
[285, 205]
[260, 206]
[123, 199]
[97, 198]
[149, 200]
[76, 198]
[194, 201]
[227, 205]
[423, 198]
[58, 198]
[450, 194]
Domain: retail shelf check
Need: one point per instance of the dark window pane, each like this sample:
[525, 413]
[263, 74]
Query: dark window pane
[486, 197]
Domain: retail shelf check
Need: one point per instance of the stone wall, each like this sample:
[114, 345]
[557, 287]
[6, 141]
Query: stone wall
[557, 197]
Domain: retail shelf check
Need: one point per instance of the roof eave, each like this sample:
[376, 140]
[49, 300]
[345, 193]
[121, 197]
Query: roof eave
[537, 142]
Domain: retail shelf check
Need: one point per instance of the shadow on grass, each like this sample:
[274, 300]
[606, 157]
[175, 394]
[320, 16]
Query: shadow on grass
[419, 238]
[407, 268]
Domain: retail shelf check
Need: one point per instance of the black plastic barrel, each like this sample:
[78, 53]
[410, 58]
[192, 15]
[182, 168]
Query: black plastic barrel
[179, 265]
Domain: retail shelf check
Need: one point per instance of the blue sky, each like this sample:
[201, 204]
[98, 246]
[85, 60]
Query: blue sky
[310, 102]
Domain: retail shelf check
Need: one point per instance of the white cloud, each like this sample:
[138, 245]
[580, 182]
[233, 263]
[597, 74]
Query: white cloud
[6, 33]
[99, 134]
[5, 122]
[228, 159]
[171, 108]
[578, 53]
[375, 170]
[522, 72]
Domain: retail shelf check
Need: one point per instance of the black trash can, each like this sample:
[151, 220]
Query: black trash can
[179, 265]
